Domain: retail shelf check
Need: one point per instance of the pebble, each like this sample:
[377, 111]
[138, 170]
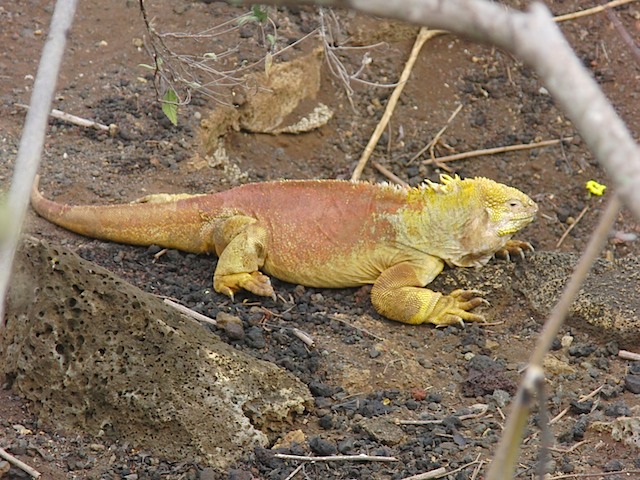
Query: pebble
[582, 349]
[617, 410]
[231, 324]
[322, 447]
[581, 407]
[501, 397]
[326, 422]
[632, 383]
[255, 338]
[235, 474]
[613, 466]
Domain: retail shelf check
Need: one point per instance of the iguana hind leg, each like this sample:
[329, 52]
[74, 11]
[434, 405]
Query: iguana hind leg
[241, 245]
[399, 294]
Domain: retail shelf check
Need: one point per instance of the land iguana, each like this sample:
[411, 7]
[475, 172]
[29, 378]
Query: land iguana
[327, 233]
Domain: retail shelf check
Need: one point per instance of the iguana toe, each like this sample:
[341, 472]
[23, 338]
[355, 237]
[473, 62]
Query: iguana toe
[254, 282]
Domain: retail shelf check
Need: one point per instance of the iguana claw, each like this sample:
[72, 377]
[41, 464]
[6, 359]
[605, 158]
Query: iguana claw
[514, 247]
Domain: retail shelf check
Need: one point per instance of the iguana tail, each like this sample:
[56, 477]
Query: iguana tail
[171, 224]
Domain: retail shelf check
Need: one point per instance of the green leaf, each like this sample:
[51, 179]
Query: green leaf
[170, 106]
[260, 13]
[271, 39]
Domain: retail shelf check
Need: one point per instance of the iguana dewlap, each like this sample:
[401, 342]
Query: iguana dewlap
[327, 233]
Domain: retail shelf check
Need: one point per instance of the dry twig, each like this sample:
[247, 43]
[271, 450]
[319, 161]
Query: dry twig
[32, 140]
[431, 145]
[437, 473]
[190, 313]
[424, 35]
[389, 174]
[591, 11]
[19, 463]
[81, 122]
[337, 458]
[629, 355]
[583, 398]
[506, 456]
[572, 226]
[600, 474]
[494, 151]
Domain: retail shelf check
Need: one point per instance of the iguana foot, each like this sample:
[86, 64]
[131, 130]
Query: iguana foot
[517, 247]
[453, 309]
[254, 282]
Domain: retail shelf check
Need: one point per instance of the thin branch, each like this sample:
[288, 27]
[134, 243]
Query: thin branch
[422, 37]
[81, 122]
[336, 458]
[389, 174]
[32, 140]
[572, 226]
[495, 150]
[190, 313]
[591, 11]
[437, 473]
[430, 146]
[506, 456]
[19, 463]
[600, 474]
[626, 355]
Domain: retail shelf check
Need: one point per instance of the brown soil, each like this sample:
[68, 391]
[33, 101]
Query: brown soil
[359, 355]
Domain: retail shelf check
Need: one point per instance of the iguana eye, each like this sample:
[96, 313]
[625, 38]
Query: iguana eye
[514, 203]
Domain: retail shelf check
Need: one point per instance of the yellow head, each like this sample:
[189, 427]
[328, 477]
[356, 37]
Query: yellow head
[509, 210]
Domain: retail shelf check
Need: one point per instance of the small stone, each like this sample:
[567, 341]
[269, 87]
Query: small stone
[617, 410]
[326, 422]
[346, 445]
[319, 389]
[634, 368]
[492, 344]
[382, 430]
[322, 447]
[234, 474]
[582, 350]
[581, 407]
[255, 338]
[231, 324]
[632, 383]
[566, 341]
[374, 352]
[613, 466]
[418, 394]
[501, 397]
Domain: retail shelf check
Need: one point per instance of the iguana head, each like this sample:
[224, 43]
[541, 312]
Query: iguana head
[464, 222]
[509, 210]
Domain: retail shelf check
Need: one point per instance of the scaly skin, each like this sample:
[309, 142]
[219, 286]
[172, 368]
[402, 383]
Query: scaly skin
[327, 233]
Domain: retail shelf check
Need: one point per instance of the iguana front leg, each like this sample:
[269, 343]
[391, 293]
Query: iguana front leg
[399, 294]
[241, 245]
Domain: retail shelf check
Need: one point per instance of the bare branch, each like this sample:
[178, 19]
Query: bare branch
[32, 140]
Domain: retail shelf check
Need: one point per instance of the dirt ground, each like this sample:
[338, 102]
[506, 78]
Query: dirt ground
[363, 366]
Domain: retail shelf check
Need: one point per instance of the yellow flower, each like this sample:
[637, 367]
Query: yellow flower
[595, 188]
